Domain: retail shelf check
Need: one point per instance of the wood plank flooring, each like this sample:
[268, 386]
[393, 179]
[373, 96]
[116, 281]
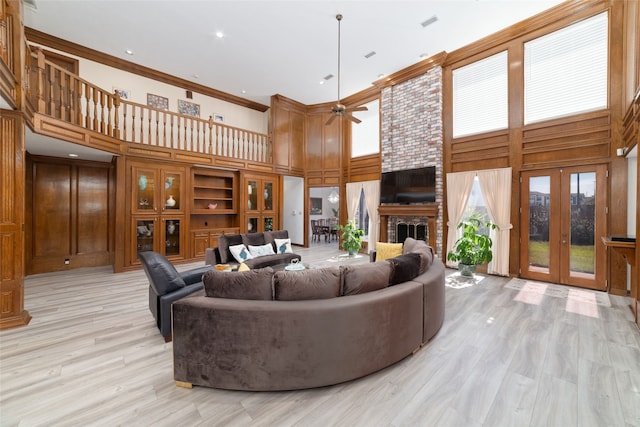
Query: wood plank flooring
[93, 356]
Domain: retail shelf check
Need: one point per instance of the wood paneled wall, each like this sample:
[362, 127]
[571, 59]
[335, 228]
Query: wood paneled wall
[588, 138]
[69, 214]
[12, 203]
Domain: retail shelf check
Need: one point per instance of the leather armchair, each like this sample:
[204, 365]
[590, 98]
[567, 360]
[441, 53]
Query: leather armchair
[167, 285]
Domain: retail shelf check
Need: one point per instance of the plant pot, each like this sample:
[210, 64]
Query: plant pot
[352, 252]
[466, 270]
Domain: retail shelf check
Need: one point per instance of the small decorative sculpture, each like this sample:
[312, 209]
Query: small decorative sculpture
[171, 228]
[212, 206]
[171, 202]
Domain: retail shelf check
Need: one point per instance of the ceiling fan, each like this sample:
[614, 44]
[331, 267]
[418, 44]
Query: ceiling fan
[339, 110]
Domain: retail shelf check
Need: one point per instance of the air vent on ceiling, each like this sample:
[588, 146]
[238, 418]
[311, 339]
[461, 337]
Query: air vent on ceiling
[429, 21]
[328, 77]
[370, 54]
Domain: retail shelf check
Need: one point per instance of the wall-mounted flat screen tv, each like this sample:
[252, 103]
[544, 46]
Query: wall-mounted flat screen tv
[409, 186]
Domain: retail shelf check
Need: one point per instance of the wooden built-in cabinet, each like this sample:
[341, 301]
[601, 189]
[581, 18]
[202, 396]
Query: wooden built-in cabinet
[260, 199]
[157, 207]
[213, 210]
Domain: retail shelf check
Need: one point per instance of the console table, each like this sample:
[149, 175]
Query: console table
[626, 247]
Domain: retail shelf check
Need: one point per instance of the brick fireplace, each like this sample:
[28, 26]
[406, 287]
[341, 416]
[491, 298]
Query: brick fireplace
[412, 138]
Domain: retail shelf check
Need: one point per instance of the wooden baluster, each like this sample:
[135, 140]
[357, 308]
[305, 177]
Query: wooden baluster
[172, 129]
[109, 115]
[142, 141]
[87, 114]
[40, 78]
[164, 128]
[64, 97]
[209, 145]
[50, 84]
[149, 122]
[189, 146]
[133, 123]
[116, 116]
[78, 102]
[157, 135]
[96, 100]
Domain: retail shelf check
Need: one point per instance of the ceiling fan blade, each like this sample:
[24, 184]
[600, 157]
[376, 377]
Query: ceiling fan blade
[352, 118]
[362, 108]
[331, 119]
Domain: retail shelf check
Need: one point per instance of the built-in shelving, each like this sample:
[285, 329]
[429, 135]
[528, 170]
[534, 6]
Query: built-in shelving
[213, 192]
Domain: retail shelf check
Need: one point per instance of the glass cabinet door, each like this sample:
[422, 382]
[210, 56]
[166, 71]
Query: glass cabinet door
[267, 223]
[252, 225]
[252, 196]
[143, 189]
[172, 237]
[268, 196]
[144, 230]
[172, 191]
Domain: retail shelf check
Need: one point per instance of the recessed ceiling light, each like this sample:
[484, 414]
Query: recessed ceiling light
[195, 76]
[73, 155]
[128, 52]
[219, 34]
[321, 82]
[244, 91]
[424, 55]
[381, 75]
[429, 21]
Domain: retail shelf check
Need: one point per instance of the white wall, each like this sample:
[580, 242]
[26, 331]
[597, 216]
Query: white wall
[293, 209]
[632, 183]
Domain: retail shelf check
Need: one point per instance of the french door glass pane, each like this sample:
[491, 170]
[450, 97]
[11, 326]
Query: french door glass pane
[583, 197]
[539, 197]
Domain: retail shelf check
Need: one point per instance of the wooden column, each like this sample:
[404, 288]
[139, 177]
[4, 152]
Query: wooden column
[12, 164]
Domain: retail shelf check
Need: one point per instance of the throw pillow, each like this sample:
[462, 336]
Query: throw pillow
[311, 284]
[224, 242]
[385, 251]
[261, 250]
[359, 279]
[270, 236]
[252, 284]
[283, 246]
[421, 247]
[243, 267]
[240, 253]
[404, 268]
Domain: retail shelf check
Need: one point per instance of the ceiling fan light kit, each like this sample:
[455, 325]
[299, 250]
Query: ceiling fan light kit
[339, 109]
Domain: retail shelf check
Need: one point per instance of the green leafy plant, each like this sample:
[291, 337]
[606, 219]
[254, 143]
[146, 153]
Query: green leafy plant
[474, 246]
[351, 236]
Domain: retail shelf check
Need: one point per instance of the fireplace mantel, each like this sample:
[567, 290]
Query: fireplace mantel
[428, 211]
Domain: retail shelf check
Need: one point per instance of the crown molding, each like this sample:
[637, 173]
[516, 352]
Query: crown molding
[53, 42]
[413, 71]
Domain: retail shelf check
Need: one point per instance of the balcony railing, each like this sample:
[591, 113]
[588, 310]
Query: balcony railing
[63, 95]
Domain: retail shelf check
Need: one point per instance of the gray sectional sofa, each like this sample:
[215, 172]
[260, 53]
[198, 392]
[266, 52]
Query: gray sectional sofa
[286, 330]
[222, 253]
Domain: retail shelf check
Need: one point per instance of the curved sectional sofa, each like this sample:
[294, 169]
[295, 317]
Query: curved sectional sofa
[294, 330]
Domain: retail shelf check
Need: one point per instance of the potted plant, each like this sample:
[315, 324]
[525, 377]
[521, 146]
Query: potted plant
[474, 246]
[351, 237]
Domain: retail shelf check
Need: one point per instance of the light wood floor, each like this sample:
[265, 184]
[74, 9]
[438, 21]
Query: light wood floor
[93, 356]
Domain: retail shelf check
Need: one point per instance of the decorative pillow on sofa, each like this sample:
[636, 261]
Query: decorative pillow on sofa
[240, 252]
[271, 236]
[318, 283]
[224, 242]
[359, 279]
[251, 284]
[421, 247]
[404, 268]
[385, 251]
[261, 250]
[283, 246]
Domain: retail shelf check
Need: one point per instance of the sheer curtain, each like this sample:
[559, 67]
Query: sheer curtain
[353, 198]
[458, 190]
[372, 199]
[495, 185]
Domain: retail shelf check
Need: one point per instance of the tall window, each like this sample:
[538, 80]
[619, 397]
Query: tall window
[565, 72]
[480, 96]
[365, 136]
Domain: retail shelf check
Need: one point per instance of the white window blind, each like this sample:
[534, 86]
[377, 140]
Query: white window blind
[566, 71]
[480, 96]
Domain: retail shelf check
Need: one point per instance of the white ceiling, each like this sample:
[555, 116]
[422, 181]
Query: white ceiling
[284, 47]
[276, 47]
